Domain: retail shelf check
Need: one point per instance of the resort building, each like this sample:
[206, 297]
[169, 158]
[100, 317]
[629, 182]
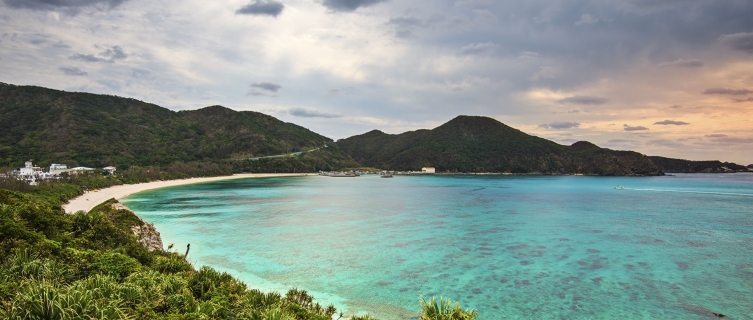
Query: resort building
[56, 168]
[31, 174]
[428, 170]
[109, 169]
[81, 169]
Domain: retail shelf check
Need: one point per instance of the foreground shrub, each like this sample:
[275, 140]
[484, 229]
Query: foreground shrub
[443, 310]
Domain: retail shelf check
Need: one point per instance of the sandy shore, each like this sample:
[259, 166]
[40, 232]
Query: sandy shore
[89, 200]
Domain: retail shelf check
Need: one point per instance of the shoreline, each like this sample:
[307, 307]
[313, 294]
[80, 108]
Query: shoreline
[89, 200]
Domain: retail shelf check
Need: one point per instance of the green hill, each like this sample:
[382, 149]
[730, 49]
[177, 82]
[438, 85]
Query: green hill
[690, 166]
[482, 144]
[52, 126]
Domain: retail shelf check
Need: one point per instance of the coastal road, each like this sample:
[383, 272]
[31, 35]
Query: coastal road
[282, 155]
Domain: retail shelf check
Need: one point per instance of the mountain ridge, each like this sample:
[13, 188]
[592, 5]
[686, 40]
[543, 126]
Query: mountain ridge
[54, 126]
[75, 128]
[477, 144]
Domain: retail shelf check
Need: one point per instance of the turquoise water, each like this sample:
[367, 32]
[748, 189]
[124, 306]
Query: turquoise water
[514, 247]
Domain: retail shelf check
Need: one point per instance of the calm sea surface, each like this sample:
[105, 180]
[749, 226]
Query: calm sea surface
[515, 247]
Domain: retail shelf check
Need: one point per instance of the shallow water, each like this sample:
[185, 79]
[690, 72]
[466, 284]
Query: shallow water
[516, 247]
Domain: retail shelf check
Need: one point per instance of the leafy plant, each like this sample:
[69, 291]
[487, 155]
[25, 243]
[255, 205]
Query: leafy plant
[443, 309]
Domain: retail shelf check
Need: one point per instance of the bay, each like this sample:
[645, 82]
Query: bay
[514, 247]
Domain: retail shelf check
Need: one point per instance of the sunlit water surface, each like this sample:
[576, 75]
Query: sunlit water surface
[515, 247]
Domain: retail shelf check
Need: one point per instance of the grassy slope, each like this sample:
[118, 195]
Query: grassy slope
[477, 144]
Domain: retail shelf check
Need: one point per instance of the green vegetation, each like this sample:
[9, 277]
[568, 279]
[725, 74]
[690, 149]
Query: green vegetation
[92, 266]
[444, 310]
[482, 144]
[688, 166]
[82, 129]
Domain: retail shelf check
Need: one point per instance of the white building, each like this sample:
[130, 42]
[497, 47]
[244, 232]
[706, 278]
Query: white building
[109, 169]
[56, 168]
[428, 170]
[30, 173]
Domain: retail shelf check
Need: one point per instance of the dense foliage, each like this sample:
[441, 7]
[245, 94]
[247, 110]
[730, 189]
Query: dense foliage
[482, 144]
[82, 129]
[689, 166]
[91, 266]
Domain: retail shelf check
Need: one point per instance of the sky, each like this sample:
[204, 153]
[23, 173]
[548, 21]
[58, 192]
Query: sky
[662, 77]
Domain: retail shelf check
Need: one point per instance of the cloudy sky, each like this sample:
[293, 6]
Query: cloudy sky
[662, 77]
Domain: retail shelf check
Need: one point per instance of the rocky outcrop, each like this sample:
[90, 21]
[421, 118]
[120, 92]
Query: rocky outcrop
[147, 234]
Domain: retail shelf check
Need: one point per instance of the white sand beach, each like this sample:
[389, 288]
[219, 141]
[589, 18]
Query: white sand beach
[89, 200]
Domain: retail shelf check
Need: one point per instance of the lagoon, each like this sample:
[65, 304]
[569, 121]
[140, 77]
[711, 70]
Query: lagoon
[516, 247]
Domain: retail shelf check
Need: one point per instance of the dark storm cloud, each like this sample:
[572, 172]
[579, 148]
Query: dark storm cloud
[560, 125]
[262, 8]
[306, 113]
[742, 41]
[692, 63]
[73, 71]
[109, 55]
[734, 92]
[349, 5]
[268, 89]
[586, 100]
[672, 122]
[63, 4]
[631, 128]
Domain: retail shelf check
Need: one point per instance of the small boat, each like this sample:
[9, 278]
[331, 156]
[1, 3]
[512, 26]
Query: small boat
[386, 175]
[619, 187]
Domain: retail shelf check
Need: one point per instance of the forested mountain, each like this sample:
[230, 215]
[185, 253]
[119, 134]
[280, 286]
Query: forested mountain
[83, 129]
[478, 144]
[52, 126]
[689, 166]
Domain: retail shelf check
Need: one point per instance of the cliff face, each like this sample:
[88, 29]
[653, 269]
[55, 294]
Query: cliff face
[147, 234]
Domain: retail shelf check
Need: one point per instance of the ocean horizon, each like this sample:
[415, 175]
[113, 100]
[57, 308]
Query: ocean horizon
[517, 247]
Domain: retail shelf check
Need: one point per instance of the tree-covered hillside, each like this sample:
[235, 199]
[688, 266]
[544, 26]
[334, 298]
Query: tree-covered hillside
[52, 126]
[689, 166]
[478, 144]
